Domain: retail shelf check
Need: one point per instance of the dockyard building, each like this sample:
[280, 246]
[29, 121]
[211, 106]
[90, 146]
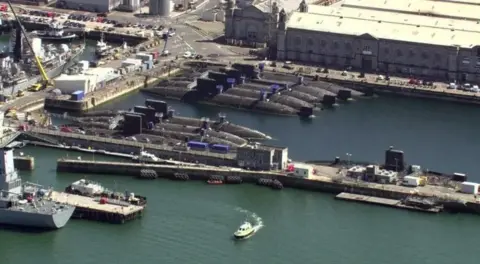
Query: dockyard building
[427, 39]
[262, 157]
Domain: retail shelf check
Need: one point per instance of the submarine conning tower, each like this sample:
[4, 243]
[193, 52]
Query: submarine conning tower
[394, 159]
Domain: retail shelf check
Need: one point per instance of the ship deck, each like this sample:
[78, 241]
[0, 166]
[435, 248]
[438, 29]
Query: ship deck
[91, 204]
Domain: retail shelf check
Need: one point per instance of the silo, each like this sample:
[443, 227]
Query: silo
[160, 7]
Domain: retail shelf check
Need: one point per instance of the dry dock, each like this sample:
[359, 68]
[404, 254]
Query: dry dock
[88, 208]
[382, 202]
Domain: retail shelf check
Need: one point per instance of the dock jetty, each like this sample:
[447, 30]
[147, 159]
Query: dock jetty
[92, 209]
[384, 202]
[324, 181]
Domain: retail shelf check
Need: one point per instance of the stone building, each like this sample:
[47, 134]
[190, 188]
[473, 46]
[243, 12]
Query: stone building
[253, 25]
[374, 40]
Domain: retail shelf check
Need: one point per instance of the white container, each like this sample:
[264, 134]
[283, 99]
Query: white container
[84, 65]
[411, 181]
[469, 187]
[71, 83]
[302, 170]
[130, 61]
[144, 57]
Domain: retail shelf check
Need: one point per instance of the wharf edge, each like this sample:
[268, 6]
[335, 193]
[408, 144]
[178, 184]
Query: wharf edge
[89, 209]
[321, 184]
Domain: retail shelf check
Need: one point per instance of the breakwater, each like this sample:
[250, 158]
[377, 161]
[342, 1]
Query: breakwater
[452, 202]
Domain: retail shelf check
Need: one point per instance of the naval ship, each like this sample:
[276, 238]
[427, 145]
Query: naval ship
[27, 204]
[55, 32]
[18, 68]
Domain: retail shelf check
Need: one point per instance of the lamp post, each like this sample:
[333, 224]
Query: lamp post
[348, 159]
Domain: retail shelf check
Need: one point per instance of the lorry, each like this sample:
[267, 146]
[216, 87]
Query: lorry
[413, 181]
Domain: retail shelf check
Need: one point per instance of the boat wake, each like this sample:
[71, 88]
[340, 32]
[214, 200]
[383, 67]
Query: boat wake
[256, 220]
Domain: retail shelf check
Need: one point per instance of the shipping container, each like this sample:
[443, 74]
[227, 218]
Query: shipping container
[197, 145]
[77, 95]
[155, 55]
[144, 57]
[469, 187]
[411, 181]
[131, 61]
[71, 83]
[149, 64]
[220, 148]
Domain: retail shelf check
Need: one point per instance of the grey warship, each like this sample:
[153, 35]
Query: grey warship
[27, 204]
[18, 69]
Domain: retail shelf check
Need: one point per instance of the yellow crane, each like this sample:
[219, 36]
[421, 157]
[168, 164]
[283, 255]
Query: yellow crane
[45, 79]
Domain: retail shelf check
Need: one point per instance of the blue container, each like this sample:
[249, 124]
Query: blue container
[220, 148]
[150, 125]
[275, 88]
[77, 95]
[149, 65]
[197, 145]
[261, 66]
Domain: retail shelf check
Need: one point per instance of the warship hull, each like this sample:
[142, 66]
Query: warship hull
[51, 73]
[36, 220]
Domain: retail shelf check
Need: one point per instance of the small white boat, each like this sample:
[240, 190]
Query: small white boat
[244, 231]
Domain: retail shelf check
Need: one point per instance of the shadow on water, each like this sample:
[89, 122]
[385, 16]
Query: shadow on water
[22, 229]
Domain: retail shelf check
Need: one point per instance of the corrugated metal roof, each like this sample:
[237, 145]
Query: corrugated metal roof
[76, 77]
[452, 9]
[383, 30]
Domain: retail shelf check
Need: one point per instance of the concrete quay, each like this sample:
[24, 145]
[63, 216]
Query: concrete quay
[382, 202]
[90, 209]
[124, 86]
[326, 181]
[55, 138]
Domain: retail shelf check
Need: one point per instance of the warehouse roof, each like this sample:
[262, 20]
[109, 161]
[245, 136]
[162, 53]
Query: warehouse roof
[395, 17]
[444, 9]
[468, 2]
[382, 30]
[75, 77]
[100, 71]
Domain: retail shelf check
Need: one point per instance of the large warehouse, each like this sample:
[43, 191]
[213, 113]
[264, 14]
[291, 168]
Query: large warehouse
[416, 37]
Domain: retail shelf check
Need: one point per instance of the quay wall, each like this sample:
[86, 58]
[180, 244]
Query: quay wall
[22, 163]
[128, 147]
[204, 173]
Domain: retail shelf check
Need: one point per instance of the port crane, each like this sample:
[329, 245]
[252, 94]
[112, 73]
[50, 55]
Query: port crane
[45, 80]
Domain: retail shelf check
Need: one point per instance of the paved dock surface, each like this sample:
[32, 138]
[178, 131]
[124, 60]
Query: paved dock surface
[382, 201]
[89, 203]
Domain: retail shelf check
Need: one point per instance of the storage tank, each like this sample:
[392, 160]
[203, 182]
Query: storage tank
[160, 7]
